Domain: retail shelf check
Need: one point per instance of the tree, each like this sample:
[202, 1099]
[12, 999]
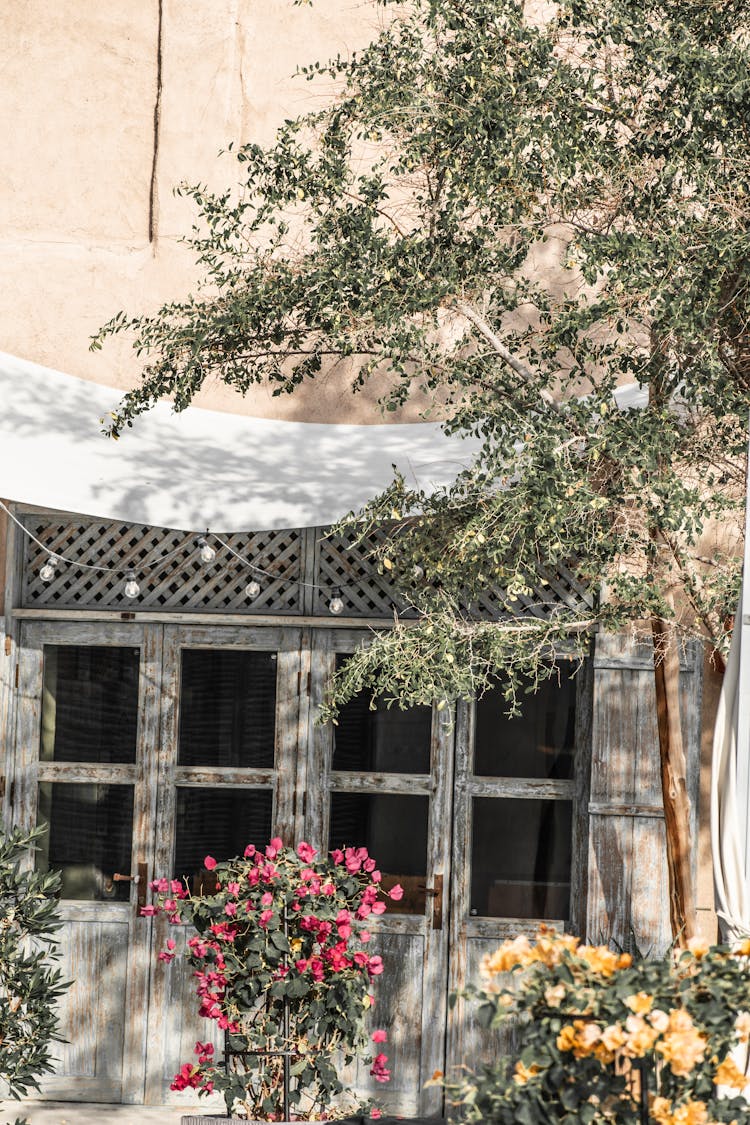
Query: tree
[517, 212]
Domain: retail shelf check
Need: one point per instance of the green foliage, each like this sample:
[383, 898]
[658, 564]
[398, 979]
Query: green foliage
[282, 965]
[515, 216]
[29, 986]
[589, 1018]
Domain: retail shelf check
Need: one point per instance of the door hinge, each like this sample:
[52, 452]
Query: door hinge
[8, 644]
[16, 675]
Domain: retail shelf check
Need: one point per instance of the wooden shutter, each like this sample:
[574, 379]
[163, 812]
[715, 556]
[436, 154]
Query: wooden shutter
[628, 899]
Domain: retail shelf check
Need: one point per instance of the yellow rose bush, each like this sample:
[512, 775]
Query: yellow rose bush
[593, 1023]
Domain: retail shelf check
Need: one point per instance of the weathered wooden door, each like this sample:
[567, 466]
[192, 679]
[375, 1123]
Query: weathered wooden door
[226, 776]
[382, 778]
[519, 833]
[87, 728]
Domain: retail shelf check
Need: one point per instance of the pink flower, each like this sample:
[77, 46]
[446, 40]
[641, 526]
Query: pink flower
[378, 908]
[328, 889]
[379, 1070]
[300, 965]
[364, 936]
[161, 885]
[274, 847]
[337, 855]
[149, 911]
[379, 1036]
[249, 851]
[369, 864]
[265, 917]
[375, 967]
[396, 892]
[209, 1087]
[230, 909]
[233, 888]
[375, 1113]
[209, 863]
[306, 852]
[266, 899]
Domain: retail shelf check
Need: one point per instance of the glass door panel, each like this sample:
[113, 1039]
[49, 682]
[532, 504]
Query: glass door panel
[89, 703]
[520, 858]
[89, 838]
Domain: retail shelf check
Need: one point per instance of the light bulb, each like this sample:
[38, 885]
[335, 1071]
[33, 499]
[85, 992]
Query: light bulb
[132, 589]
[48, 571]
[252, 589]
[417, 572]
[206, 551]
[336, 604]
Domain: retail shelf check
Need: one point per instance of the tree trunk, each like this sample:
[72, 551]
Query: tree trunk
[674, 781]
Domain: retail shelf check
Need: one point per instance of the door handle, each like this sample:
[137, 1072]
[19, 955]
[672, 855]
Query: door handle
[141, 882]
[436, 894]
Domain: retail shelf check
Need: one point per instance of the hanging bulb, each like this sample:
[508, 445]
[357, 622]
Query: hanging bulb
[336, 604]
[252, 589]
[48, 571]
[417, 572]
[132, 589]
[206, 551]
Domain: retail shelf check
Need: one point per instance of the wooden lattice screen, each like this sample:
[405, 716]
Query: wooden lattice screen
[301, 570]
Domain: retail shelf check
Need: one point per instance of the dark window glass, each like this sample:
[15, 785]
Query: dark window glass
[218, 822]
[539, 742]
[385, 740]
[393, 828]
[227, 708]
[520, 858]
[89, 839]
[89, 703]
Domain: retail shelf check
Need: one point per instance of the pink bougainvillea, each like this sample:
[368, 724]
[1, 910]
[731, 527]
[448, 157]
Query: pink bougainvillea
[283, 927]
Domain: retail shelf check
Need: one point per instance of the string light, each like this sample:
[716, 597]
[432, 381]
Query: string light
[206, 551]
[336, 604]
[132, 589]
[252, 589]
[417, 572]
[48, 571]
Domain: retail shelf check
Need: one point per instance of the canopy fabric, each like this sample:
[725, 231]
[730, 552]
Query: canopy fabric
[727, 844]
[200, 468]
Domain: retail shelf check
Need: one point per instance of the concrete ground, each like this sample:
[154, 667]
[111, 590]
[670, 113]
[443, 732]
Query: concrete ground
[87, 1113]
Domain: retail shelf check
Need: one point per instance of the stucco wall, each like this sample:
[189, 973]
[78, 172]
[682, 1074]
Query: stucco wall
[77, 115]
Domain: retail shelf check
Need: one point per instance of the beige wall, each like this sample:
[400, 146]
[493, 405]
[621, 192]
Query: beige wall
[77, 113]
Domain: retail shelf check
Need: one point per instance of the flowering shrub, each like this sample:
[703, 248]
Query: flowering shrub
[592, 1023]
[30, 984]
[282, 965]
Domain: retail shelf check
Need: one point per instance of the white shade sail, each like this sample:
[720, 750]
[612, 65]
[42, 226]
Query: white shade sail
[200, 468]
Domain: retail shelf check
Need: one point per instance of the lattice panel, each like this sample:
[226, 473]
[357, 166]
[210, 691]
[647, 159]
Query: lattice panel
[552, 590]
[303, 570]
[168, 568]
[347, 567]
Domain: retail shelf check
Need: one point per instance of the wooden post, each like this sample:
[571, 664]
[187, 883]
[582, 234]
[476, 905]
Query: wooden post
[673, 780]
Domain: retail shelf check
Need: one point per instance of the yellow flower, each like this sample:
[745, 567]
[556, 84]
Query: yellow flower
[510, 955]
[524, 1073]
[659, 1020]
[600, 959]
[743, 949]
[639, 1037]
[742, 1026]
[683, 1045]
[639, 1003]
[729, 1074]
[554, 995]
[698, 946]
[566, 1039]
[689, 1113]
[661, 1110]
